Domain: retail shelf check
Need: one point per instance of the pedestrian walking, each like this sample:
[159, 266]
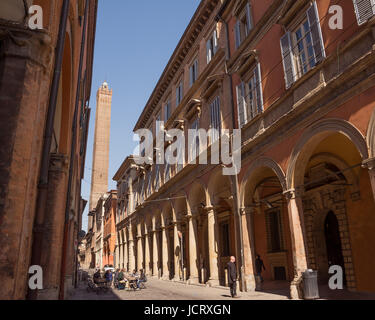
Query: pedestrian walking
[259, 267]
[232, 277]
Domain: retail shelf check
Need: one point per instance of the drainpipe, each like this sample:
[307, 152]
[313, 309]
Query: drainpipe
[72, 153]
[235, 177]
[47, 142]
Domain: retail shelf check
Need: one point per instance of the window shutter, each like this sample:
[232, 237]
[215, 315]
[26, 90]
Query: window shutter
[364, 10]
[177, 95]
[288, 63]
[248, 18]
[157, 177]
[238, 34]
[316, 33]
[193, 146]
[209, 51]
[196, 70]
[191, 81]
[259, 89]
[215, 42]
[218, 121]
[241, 104]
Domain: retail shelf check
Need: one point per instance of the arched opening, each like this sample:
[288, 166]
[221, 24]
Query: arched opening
[268, 229]
[333, 242]
[183, 239]
[337, 206]
[198, 202]
[221, 195]
[168, 243]
[60, 140]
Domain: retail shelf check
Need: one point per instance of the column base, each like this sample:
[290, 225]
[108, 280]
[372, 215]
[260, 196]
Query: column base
[250, 283]
[193, 280]
[296, 291]
[165, 277]
[213, 283]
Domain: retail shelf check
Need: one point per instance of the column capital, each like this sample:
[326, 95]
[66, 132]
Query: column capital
[369, 164]
[293, 193]
[246, 211]
[209, 209]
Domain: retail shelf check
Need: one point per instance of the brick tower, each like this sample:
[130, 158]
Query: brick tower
[100, 161]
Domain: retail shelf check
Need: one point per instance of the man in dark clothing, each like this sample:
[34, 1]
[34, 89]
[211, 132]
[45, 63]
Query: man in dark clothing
[259, 267]
[232, 277]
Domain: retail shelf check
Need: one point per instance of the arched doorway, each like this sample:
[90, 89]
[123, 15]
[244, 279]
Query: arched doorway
[333, 242]
[326, 166]
[267, 226]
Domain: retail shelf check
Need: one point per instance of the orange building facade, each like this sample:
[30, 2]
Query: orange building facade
[109, 235]
[45, 83]
[302, 91]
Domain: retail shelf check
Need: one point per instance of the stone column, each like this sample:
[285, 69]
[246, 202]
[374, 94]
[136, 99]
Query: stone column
[164, 248]
[121, 258]
[247, 216]
[139, 253]
[176, 252]
[147, 253]
[193, 263]
[213, 246]
[370, 165]
[131, 249]
[296, 224]
[155, 254]
[125, 254]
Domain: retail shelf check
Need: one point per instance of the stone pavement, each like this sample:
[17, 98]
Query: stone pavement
[166, 290]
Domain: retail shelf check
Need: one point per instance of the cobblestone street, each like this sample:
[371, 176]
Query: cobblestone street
[163, 290]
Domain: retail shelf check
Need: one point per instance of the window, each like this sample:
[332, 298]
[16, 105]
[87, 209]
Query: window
[364, 10]
[167, 173]
[167, 111]
[212, 46]
[179, 93]
[194, 149]
[303, 48]
[243, 26]
[149, 184]
[194, 72]
[142, 190]
[157, 177]
[274, 230]
[215, 120]
[225, 240]
[158, 125]
[250, 97]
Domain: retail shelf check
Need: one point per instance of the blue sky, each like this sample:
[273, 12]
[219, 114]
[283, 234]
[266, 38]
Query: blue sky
[134, 41]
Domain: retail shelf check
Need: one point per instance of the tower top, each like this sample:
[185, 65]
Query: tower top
[105, 85]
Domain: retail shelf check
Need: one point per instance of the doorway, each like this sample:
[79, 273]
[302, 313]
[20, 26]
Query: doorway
[333, 242]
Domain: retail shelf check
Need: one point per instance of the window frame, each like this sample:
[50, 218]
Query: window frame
[193, 72]
[244, 24]
[179, 92]
[215, 118]
[212, 45]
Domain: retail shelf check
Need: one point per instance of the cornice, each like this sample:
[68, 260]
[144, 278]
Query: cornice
[186, 42]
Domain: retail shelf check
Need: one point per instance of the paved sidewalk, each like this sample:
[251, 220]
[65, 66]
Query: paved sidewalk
[166, 290]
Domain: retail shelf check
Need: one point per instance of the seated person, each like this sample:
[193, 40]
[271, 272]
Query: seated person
[134, 274]
[142, 278]
[97, 276]
[121, 276]
[109, 277]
